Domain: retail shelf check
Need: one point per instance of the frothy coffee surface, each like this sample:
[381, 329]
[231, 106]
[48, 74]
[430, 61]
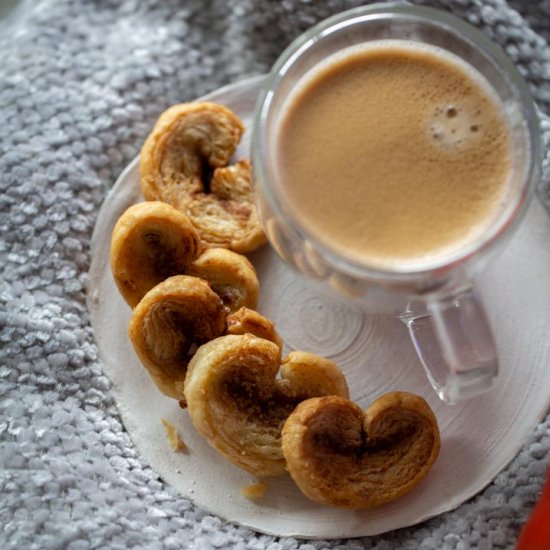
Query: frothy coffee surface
[397, 154]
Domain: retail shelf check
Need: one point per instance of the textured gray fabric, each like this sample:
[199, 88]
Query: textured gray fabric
[81, 83]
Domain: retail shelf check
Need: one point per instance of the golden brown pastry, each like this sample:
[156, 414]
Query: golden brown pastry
[248, 321]
[189, 141]
[239, 405]
[340, 455]
[231, 276]
[254, 491]
[174, 439]
[169, 323]
[151, 241]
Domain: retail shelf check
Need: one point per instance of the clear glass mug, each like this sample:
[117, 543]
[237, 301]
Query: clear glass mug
[440, 306]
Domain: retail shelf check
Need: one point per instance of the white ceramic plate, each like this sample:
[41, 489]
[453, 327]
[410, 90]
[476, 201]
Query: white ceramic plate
[478, 438]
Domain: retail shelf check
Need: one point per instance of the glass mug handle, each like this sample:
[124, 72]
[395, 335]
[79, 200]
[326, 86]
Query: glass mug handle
[453, 339]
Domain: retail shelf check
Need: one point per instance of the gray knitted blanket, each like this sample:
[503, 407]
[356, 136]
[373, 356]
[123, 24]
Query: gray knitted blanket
[81, 84]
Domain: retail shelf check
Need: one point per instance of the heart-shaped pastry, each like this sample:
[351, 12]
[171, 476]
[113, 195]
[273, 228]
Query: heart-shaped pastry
[152, 241]
[340, 455]
[239, 395]
[190, 143]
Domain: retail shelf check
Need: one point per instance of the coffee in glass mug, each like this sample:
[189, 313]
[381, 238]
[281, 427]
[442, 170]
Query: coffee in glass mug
[395, 149]
[394, 154]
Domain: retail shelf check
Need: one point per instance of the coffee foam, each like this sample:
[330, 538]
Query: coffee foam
[385, 45]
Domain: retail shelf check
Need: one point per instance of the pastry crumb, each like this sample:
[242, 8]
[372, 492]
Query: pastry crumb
[176, 442]
[254, 491]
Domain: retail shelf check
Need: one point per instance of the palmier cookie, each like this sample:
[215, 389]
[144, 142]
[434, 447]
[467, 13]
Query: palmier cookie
[340, 455]
[152, 241]
[189, 142]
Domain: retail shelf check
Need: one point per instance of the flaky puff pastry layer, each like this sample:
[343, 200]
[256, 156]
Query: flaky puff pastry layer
[248, 321]
[238, 403]
[343, 456]
[151, 241]
[231, 276]
[188, 141]
[168, 325]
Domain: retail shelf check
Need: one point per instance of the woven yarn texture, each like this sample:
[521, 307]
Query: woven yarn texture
[81, 85]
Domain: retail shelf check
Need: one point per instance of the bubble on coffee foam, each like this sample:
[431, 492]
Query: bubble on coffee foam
[454, 125]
